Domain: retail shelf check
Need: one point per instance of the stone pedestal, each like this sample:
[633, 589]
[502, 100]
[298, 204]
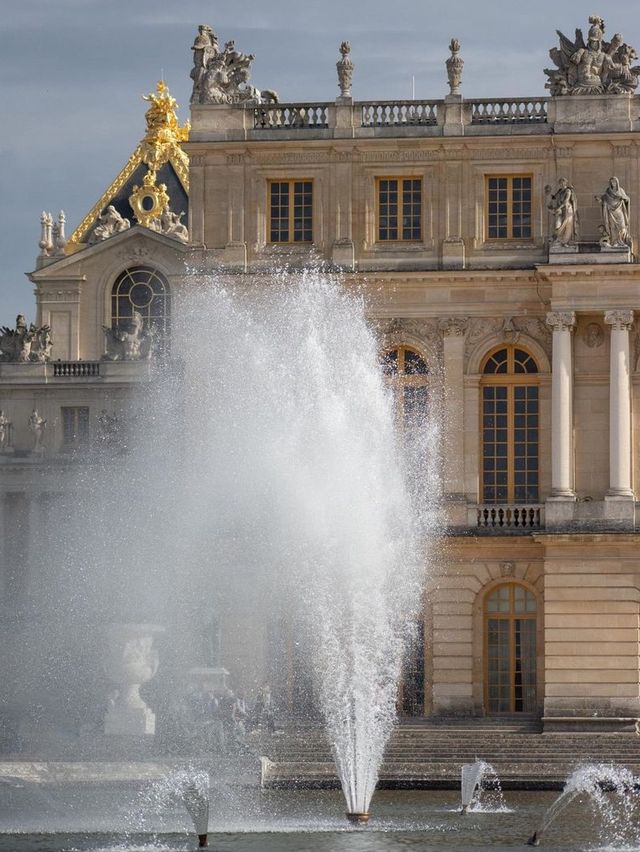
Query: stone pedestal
[131, 660]
[591, 113]
[343, 254]
[453, 253]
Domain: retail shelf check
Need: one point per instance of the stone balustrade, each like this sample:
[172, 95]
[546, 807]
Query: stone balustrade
[291, 116]
[507, 111]
[76, 369]
[514, 516]
[398, 113]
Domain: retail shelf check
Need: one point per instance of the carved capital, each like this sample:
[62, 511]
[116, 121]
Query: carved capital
[561, 320]
[453, 326]
[621, 320]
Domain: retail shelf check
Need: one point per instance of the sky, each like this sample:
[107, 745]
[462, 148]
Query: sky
[73, 72]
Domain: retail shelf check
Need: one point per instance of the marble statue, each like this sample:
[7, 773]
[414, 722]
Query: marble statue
[169, 224]
[614, 204]
[564, 206]
[221, 76]
[37, 426]
[25, 344]
[5, 431]
[592, 68]
[110, 222]
[129, 342]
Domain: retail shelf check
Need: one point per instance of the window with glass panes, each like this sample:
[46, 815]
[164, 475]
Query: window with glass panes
[144, 291]
[509, 207]
[399, 209]
[510, 427]
[290, 211]
[75, 426]
[408, 374]
[510, 650]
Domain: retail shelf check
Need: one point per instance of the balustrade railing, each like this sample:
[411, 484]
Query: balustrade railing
[290, 116]
[531, 111]
[399, 114]
[510, 517]
[76, 369]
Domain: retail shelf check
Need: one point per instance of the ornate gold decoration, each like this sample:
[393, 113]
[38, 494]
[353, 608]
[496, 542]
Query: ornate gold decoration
[161, 144]
[149, 200]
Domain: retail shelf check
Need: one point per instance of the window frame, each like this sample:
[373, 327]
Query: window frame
[81, 415]
[510, 380]
[509, 236]
[291, 182]
[399, 380]
[401, 191]
[510, 616]
[156, 321]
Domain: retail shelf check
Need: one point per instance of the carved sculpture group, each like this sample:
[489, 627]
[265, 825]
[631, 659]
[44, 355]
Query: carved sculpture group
[25, 344]
[614, 206]
[592, 68]
[221, 76]
[130, 342]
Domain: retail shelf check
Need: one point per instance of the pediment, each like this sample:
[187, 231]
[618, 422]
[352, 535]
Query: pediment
[135, 245]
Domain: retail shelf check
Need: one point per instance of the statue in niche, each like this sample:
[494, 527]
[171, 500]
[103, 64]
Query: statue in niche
[593, 335]
[110, 222]
[5, 431]
[221, 76]
[37, 426]
[25, 344]
[129, 342]
[564, 206]
[595, 68]
[614, 204]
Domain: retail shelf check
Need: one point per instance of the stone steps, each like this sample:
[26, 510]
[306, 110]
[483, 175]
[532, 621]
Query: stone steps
[431, 754]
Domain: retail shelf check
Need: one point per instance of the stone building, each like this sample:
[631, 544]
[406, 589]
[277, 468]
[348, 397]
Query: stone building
[496, 241]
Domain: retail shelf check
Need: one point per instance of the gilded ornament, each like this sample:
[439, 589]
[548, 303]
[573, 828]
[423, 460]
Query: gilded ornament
[149, 201]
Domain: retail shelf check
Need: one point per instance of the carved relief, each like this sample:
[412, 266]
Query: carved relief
[508, 329]
[507, 569]
[453, 326]
[593, 335]
[424, 330]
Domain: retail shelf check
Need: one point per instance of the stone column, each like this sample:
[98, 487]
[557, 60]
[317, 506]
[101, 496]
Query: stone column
[619, 406]
[454, 330]
[562, 479]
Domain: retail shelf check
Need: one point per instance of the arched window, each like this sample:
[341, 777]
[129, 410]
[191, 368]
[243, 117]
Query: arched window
[407, 373]
[510, 427]
[510, 650]
[146, 291]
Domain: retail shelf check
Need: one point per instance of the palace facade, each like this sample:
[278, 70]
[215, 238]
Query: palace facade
[495, 239]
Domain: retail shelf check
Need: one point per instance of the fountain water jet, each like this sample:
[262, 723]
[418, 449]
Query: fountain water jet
[596, 781]
[270, 468]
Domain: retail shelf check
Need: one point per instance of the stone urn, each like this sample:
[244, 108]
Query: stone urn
[131, 660]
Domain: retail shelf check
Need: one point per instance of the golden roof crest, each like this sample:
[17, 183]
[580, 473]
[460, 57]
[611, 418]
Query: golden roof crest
[160, 145]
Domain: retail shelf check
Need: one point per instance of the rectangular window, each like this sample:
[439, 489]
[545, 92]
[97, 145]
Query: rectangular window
[75, 426]
[290, 211]
[509, 207]
[399, 209]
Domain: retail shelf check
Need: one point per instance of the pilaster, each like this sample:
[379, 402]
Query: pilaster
[562, 324]
[619, 406]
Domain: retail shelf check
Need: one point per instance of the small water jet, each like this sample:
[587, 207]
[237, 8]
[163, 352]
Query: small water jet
[598, 781]
[476, 777]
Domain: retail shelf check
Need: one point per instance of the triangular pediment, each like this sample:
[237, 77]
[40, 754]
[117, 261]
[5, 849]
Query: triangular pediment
[138, 242]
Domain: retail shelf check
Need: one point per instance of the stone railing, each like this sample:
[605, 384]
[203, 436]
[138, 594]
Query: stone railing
[291, 116]
[508, 517]
[398, 113]
[75, 369]
[508, 111]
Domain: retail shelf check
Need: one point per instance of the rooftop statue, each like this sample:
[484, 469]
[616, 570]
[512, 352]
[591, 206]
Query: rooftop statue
[25, 344]
[595, 68]
[110, 222]
[221, 76]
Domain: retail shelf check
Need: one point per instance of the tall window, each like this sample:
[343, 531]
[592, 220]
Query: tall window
[75, 426]
[146, 291]
[399, 209]
[509, 207]
[291, 211]
[510, 427]
[510, 650]
[407, 373]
